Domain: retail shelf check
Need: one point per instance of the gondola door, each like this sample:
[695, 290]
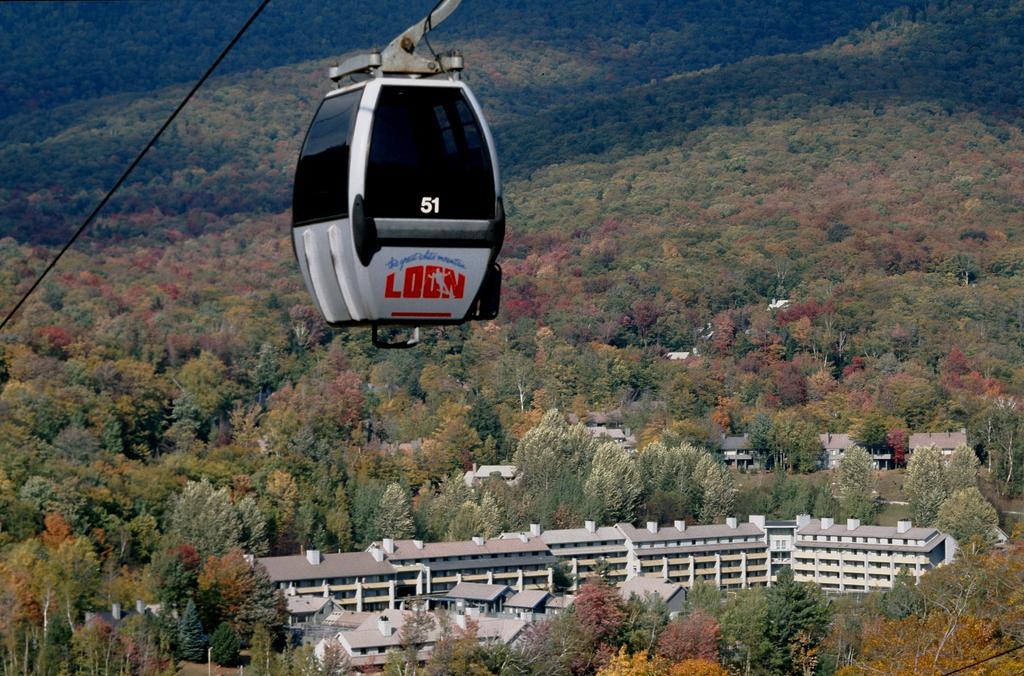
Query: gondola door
[427, 215]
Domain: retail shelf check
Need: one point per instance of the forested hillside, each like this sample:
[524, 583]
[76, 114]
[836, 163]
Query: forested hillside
[671, 169]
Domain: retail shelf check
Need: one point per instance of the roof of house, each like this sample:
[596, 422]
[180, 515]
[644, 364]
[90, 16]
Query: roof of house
[649, 586]
[948, 440]
[474, 591]
[406, 550]
[736, 443]
[528, 599]
[561, 602]
[671, 533]
[347, 564]
[368, 634]
[613, 433]
[597, 417]
[836, 442]
[505, 471]
[306, 604]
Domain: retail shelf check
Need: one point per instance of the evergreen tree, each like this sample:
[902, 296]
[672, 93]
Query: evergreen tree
[926, 485]
[191, 640]
[338, 520]
[224, 646]
[613, 488]
[394, 517]
[761, 435]
[798, 614]
[855, 477]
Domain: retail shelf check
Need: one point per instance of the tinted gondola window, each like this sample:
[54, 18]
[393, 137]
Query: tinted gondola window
[428, 157]
[321, 178]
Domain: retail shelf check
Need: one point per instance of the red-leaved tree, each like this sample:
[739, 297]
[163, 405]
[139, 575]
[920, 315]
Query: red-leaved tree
[898, 440]
[599, 609]
[695, 636]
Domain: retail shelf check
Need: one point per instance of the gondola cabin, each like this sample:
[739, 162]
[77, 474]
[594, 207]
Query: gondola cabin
[397, 215]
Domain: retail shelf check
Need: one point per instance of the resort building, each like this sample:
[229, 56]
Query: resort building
[849, 557]
[514, 573]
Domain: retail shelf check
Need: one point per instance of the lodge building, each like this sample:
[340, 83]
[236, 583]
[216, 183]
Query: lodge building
[841, 558]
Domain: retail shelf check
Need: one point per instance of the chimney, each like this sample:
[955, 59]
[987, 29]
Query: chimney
[852, 524]
[389, 545]
[115, 611]
[826, 522]
[757, 520]
[730, 521]
[478, 541]
[418, 544]
[474, 468]
[903, 526]
[802, 520]
[460, 620]
[652, 526]
[590, 526]
[384, 626]
[536, 530]
[313, 556]
[140, 607]
[679, 524]
[377, 553]
[524, 537]
[250, 559]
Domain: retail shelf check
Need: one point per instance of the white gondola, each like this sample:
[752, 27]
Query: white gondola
[397, 213]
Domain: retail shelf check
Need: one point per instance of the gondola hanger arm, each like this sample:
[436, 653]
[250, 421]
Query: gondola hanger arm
[400, 55]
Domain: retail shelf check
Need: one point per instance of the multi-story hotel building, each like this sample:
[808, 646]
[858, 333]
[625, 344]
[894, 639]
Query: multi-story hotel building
[840, 558]
[849, 557]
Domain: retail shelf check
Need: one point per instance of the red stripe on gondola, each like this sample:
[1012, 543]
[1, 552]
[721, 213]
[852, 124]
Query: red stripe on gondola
[421, 314]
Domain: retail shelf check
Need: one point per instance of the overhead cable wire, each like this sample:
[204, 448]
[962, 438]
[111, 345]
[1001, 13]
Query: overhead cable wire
[987, 659]
[106, 198]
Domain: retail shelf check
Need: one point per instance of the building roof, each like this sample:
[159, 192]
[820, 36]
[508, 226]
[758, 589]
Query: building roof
[679, 356]
[836, 442]
[672, 534]
[736, 443]
[943, 440]
[406, 550]
[561, 602]
[563, 536]
[528, 599]
[306, 604]
[613, 433]
[474, 591]
[597, 417]
[368, 634]
[642, 586]
[348, 564]
[658, 552]
[866, 531]
[504, 471]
